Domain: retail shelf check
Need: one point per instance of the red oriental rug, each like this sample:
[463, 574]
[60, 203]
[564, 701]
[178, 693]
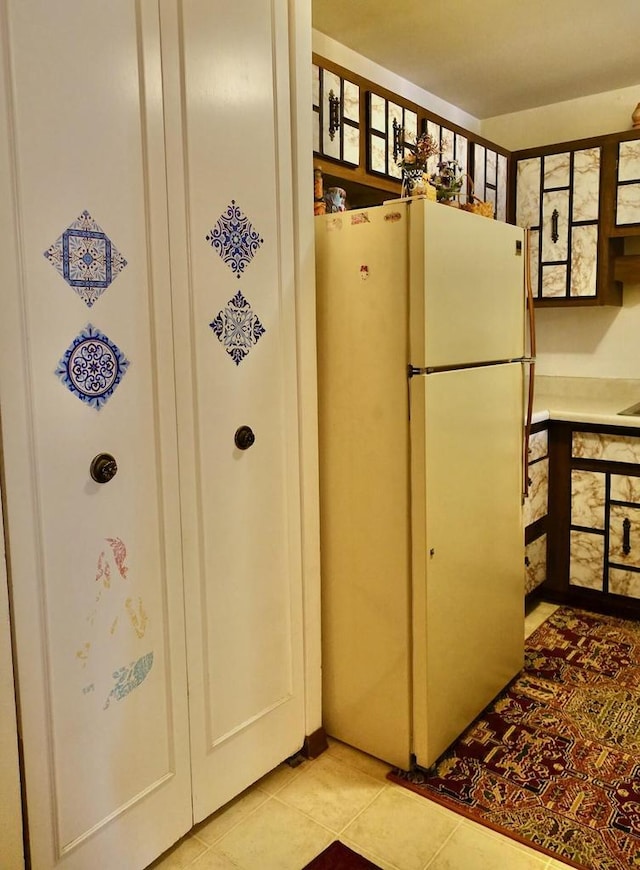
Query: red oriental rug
[554, 762]
[337, 856]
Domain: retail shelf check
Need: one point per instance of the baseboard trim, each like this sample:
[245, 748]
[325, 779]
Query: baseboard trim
[315, 744]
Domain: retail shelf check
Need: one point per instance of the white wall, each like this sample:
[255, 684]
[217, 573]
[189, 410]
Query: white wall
[609, 112]
[580, 342]
[357, 63]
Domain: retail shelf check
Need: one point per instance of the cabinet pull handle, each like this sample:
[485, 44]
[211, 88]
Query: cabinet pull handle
[554, 225]
[398, 136]
[334, 114]
[626, 536]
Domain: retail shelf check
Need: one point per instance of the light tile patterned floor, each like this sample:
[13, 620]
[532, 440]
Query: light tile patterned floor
[290, 815]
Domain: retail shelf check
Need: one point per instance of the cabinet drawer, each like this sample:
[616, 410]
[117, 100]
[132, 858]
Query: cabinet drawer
[538, 445]
[624, 535]
[612, 448]
[535, 506]
[535, 562]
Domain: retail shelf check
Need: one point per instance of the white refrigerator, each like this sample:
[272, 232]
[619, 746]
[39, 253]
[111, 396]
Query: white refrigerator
[421, 358]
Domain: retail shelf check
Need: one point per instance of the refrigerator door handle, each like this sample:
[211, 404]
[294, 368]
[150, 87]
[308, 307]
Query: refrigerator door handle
[531, 363]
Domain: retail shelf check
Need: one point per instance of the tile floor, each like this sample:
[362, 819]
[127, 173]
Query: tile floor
[290, 815]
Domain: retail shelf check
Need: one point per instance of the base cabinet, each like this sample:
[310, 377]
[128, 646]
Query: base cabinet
[594, 526]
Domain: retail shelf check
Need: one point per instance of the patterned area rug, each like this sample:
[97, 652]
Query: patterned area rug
[337, 856]
[555, 760]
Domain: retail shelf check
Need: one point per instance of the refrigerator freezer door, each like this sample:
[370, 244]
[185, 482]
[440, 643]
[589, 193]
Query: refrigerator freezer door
[468, 555]
[467, 301]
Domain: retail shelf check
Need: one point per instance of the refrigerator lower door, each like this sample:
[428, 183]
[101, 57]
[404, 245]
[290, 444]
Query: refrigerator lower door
[467, 542]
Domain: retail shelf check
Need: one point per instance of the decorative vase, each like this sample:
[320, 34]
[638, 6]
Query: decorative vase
[416, 183]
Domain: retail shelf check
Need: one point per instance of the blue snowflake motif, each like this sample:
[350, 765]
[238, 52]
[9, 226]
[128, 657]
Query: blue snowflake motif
[92, 367]
[86, 258]
[237, 327]
[235, 239]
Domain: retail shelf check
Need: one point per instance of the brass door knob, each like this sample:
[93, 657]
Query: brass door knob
[103, 468]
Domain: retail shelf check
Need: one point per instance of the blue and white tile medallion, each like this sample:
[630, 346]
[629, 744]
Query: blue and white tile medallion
[237, 327]
[92, 367]
[235, 239]
[86, 258]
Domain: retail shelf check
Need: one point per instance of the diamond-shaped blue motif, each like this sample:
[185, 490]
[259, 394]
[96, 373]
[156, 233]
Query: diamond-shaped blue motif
[237, 327]
[86, 258]
[92, 367]
[235, 239]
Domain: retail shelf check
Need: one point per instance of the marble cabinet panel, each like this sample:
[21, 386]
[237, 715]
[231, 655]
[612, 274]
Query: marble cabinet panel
[557, 170]
[624, 535]
[629, 160]
[584, 260]
[613, 448]
[554, 281]
[538, 445]
[625, 487]
[351, 144]
[377, 154]
[528, 187]
[351, 102]
[628, 204]
[586, 184]
[536, 505]
[586, 560]
[623, 582]
[535, 571]
[377, 113]
[588, 496]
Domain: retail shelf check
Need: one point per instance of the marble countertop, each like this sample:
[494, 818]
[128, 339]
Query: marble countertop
[586, 400]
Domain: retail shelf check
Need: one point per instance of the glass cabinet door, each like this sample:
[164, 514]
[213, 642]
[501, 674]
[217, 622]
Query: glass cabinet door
[336, 117]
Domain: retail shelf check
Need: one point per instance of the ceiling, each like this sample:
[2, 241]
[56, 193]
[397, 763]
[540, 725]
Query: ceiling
[491, 57]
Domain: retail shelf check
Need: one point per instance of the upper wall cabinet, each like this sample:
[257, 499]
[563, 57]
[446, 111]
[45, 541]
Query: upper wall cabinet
[557, 199]
[579, 200]
[336, 117]
[361, 131]
[391, 126]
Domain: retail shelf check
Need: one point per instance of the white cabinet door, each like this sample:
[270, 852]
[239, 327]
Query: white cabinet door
[234, 307]
[86, 367]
